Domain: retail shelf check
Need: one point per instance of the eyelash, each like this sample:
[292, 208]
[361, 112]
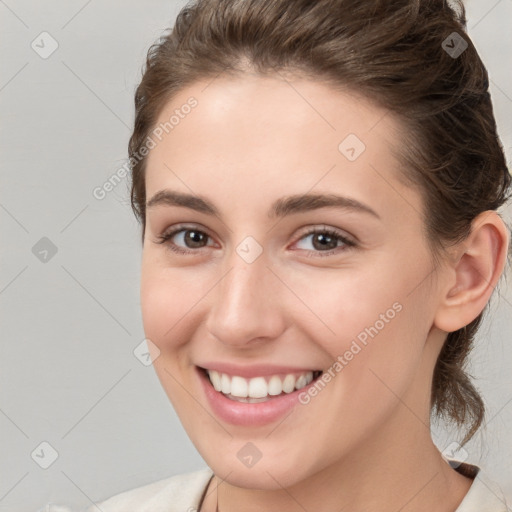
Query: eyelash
[348, 243]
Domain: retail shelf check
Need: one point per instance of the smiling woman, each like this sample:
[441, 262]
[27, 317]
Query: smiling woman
[320, 238]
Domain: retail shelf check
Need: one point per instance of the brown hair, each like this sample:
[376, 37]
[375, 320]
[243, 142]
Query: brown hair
[398, 54]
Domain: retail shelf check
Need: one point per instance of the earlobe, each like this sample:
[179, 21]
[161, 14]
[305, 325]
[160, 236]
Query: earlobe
[474, 274]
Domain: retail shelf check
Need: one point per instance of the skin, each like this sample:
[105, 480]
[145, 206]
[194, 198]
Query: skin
[363, 443]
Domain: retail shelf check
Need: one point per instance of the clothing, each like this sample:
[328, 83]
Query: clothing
[185, 492]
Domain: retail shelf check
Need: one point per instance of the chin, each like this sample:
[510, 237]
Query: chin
[270, 475]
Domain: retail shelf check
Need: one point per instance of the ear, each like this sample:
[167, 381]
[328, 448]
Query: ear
[473, 273]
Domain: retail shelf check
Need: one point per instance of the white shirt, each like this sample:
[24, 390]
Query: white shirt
[184, 493]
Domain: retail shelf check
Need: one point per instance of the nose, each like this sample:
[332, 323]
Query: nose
[247, 304]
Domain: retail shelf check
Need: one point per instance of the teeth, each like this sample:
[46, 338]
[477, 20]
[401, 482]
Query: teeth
[301, 382]
[275, 386]
[289, 383]
[258, 387]
[215, 380]
[239, 387]
[225, 383]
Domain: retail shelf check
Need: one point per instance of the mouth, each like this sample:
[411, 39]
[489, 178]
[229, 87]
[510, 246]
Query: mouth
[260, 388]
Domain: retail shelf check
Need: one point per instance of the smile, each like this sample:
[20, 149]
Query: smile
[253, 396]
[259, 389]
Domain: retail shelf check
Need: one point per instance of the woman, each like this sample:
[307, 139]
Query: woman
[318, 185]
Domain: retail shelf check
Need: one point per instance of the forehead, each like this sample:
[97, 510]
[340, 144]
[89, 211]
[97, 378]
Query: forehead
[272, 103]
[258, 135]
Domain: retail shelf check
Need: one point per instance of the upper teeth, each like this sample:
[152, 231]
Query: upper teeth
[258, 387]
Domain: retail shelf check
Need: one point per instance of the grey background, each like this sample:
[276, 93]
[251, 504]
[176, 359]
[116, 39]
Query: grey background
[70, 324]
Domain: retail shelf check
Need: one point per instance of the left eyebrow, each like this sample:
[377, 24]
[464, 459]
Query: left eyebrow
[282, 207]
[307, 202]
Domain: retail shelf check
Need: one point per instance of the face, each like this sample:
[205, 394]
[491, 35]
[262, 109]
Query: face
[253, 283]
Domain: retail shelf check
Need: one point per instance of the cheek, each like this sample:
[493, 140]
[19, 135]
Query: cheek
[168, 301]
[375, 337]
[385, 299]
[346, 305]
[157, 307]
[167, 314]
[369, 376]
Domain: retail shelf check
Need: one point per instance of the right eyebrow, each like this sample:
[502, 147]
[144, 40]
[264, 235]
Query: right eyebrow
[171, 198]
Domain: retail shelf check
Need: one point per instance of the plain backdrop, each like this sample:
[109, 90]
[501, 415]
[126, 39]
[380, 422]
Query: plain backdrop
[69, 272]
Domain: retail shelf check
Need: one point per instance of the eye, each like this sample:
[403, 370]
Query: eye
[190, 240]
[190, 237]
[326, 242]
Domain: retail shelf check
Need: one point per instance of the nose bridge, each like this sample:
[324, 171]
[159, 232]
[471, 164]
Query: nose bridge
[245, 300]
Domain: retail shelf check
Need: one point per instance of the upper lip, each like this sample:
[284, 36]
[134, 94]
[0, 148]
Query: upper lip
[250, 371]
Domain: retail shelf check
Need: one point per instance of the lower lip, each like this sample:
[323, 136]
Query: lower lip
[245, 414]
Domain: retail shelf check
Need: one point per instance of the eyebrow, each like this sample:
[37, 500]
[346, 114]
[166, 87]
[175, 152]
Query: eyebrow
[280, 208]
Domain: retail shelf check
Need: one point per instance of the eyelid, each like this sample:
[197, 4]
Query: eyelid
[184, 226]
[322, 228]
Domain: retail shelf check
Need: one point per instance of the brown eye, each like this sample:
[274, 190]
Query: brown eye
[184, 240]
[193, 238]
[323, 241]
[326, 241]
